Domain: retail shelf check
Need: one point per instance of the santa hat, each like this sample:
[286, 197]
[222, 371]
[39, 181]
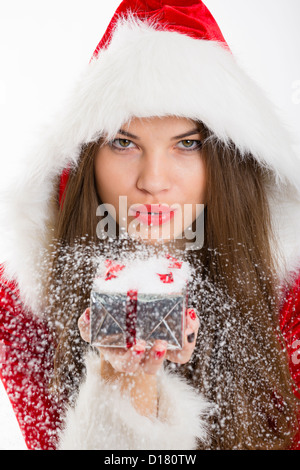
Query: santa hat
[160, 58]
[157, 58]
[191, 18]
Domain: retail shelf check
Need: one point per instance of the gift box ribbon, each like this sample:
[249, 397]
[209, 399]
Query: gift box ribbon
[131, 301]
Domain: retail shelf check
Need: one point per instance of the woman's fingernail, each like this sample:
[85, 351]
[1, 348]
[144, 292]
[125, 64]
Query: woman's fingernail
[192, 314]
[191, 338]
[138, 352]
[160, 354]
[86, 316]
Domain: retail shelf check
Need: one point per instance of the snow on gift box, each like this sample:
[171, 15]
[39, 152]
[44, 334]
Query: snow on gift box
[140, 299]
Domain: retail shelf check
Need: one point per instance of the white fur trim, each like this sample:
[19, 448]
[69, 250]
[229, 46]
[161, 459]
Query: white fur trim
[103, 419]
[285, 211]
[146, 72]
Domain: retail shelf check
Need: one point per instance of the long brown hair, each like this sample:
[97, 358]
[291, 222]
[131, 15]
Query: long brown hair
[239, 362]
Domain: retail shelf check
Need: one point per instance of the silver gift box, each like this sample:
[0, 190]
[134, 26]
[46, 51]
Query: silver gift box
[121, 319]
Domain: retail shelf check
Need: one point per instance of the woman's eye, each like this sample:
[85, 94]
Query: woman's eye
[121, 144]
[190, 144]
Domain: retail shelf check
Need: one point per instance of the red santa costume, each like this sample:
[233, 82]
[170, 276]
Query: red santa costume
[146, 43]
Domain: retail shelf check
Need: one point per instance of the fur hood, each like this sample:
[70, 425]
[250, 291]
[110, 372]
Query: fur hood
[145, 71]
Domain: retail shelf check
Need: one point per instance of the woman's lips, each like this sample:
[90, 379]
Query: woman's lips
[152, 214]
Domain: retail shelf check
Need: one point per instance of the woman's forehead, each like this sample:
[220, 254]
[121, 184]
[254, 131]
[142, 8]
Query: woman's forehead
[172, 124]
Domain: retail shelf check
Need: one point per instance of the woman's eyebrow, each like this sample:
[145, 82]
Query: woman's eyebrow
[181, 136]
[128, 134]
[187, 134]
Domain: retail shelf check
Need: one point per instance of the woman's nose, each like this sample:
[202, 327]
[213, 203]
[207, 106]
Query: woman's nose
[155, 174]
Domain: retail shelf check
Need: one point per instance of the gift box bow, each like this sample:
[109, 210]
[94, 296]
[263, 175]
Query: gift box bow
[113, 268]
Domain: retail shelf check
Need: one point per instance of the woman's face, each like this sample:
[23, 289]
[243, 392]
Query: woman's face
[153, 175]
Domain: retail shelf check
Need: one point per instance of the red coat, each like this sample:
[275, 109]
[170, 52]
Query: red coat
[27, 363]
[290, 327]
[26, 368]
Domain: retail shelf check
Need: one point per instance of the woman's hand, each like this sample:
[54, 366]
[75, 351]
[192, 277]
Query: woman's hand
[135, 369]
[138, 358]
[182, 356]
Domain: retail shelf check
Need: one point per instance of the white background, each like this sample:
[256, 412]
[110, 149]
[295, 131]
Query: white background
[44, 45]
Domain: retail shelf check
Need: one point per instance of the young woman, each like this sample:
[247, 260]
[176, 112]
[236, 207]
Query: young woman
[165, 117]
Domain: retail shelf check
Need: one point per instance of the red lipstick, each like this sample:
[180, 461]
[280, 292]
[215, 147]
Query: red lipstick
[152, 214]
